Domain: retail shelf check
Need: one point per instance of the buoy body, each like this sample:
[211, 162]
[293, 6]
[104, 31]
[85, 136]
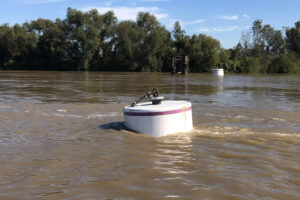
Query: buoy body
[218, 72]
[159, 120]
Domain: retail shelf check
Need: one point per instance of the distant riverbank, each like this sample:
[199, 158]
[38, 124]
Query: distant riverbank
[91, 41]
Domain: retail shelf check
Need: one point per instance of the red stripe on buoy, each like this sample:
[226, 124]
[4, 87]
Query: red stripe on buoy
[158, 113]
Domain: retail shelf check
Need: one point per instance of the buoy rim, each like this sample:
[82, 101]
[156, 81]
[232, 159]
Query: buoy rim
[166, 112]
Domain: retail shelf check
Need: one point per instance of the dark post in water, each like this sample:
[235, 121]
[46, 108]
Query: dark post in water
[180, 65]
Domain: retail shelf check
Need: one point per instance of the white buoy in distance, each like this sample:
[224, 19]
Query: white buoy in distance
[158, 118]
[218, 72]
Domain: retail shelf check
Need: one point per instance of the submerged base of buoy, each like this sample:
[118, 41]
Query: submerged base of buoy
[159, 120]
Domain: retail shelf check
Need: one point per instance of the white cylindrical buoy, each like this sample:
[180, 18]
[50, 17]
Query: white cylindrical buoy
[159, 119]
[218, 72]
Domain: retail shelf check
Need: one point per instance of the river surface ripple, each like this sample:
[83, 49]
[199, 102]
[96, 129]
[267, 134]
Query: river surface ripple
[62, 137]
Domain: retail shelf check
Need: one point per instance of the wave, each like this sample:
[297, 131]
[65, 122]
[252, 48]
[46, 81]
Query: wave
[89, 116]
[239, 131]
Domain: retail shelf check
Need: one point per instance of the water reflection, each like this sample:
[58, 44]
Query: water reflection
[220, 82]
[172, 154]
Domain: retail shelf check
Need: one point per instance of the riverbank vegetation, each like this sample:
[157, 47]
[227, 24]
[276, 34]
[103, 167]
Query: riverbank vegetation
[93, 41]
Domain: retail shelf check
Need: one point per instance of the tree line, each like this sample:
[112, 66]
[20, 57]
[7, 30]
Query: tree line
[264, 50]
[98, 42]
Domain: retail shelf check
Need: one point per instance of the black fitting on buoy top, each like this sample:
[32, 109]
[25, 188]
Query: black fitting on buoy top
[153, 95]
[156, 100]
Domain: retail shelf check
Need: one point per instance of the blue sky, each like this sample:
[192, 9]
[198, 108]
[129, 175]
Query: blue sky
[224, 20]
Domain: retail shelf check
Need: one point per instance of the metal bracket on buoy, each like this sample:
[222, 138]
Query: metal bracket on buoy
[156, 100]
[153, 95]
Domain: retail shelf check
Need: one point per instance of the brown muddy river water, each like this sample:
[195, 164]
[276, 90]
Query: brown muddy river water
[62, 137]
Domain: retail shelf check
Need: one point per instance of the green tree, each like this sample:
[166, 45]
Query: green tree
[106, 27]
[6, 43]
[181, 41]
[203, 53]
[51, 43]
[293, 38]
[128, 38]
[286, 63]
[154, 44]
[258, 49]
[83, 35]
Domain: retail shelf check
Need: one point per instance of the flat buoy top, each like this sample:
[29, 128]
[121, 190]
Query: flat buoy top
[165, 108]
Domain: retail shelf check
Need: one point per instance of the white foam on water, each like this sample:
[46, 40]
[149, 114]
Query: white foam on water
[228, 130]
[237, 131]
[61, 110]
[236, 117]
[68, 115]
[286, 134]
[172, 196]
[104, 114]
[5, 106]
[240, 117]
[213, 115]
[258, 119]
[167, 179]
[89, 116]
[278, 119]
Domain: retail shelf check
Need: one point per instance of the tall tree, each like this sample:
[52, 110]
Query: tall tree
[181, 41]
[154, 45]
[293, 38]
[83, 35]
[204, 53]
[6, 43]
[128, 38]
[51, 42]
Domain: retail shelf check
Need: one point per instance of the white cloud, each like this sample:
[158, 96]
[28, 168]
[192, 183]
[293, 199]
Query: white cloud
[204, 30]
[108, 3]
[218, 29]
[41, 1]
[225, 29]
[129, 13]
[154, 0]
[245, 16]
[198, 21]
[234, 17]
[246, 27]
[170, 22]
